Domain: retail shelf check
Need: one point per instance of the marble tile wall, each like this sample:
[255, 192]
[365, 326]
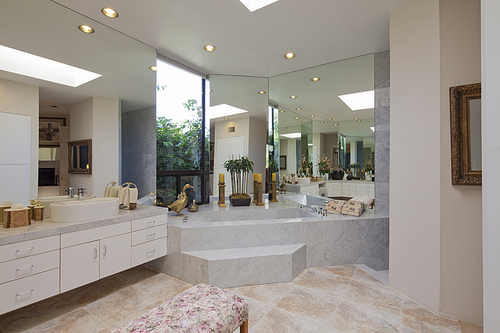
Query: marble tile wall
[382, 131]
[138, 149]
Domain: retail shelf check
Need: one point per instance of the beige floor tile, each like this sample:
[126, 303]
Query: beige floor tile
[354, 318]
[378, 297]
[76, 321]
[36, 314]
[411, 326]
[363, 276]
[123, 304]
[309, 303]
[256, 310]
[345, 271]
[95, 290]
[280, 321]
[470, 328]
[132, 314]
[267, 293]
[326, 282]
[136, 274]
[163, 286]
[415, 317]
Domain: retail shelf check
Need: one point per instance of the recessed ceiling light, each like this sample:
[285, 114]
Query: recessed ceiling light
[262, 92]
[288, 127]
[209, 48]
[329, 119]
[282, 125]
[281, 111]
[335, 124]
[299, 122]
[292, 97]
[359, 101]
[15, 61]
[312, 116]
[315, 79]
[290, 55]
[226, 118]
[359, 120]
[298, 109]
[109, 12]
[153, 68]
[86, 28]
[321, 122]
[296, 117]
[253, 5]
[356, 118]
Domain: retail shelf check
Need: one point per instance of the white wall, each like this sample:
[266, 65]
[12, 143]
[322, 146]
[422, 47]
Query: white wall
[97, 118]
[435, 231]
[22, 99]
[415, 186]
[257, 147]
[490, 32]
[461, 293]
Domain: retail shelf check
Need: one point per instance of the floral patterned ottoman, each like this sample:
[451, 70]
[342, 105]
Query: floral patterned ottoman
[202, 308]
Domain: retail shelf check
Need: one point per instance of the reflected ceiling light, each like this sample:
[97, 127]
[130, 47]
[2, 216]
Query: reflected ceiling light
[22, 63]
[291, 135]
[298, 109]
[109, 12]
[282, 125]
[299, 122]
[356, 118]
[341, 131]
[153, 68]
[209, 48]
[373, 129]
[315, 79]
[288, 127]
[281, 111]
[335, 124]
[355, 133]
[223, 110]
[321, 122]
[293, 97]
[290, 55]
[359, 120]
[359, 101]
[296, 117]
[253, 5]
[226, 118]
[312, 116]
[86, 28]
[329, 119]
[262, 92]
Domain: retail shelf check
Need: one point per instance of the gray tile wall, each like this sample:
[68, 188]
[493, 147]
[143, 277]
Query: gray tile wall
[382, 131]
[138, 149]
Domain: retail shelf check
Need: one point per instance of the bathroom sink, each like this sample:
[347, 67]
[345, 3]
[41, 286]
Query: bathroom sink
[303, 181]
[83, 210]
[46, 201]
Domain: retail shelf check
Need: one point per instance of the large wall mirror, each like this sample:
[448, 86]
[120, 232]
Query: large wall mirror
[313, 119]
[465, 107]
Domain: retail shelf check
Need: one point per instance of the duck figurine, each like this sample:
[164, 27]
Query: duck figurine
[181, 202]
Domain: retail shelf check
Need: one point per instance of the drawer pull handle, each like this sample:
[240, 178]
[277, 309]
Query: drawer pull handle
[95, 253]
[25, 293]
[23, 250]
[150, 223]
[151, 235]
[22, 269]
[105, 249]
[150, 252]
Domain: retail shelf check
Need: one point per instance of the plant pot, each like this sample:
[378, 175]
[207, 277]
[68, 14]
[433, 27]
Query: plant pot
[350, 177]
[241, 201]
[338, 175]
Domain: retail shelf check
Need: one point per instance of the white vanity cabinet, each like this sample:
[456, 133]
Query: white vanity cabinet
[149, 239]
[350, 188]
[92, 254]
[29, 272]
[334, 189]
[366, 189]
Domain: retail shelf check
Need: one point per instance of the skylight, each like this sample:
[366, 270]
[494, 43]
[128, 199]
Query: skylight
[223, 110]
[22, 63]
[359, 101]
[291, 135]
[253, 5]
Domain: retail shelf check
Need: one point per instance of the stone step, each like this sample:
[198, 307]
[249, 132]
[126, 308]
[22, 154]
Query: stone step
[226, 268]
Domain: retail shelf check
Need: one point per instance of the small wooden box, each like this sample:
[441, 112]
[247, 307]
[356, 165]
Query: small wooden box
[16, 218]
[38, 213]
[2, 209]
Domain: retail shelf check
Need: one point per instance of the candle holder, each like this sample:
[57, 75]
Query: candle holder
[222, 195]
[259, 194]
[254, 192]
[274, 192]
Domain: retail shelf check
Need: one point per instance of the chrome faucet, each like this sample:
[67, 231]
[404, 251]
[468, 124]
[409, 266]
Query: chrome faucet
[81, 192]
[314, 210]
[71, 192]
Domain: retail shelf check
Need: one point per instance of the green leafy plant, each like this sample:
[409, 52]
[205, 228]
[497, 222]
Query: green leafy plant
[239, 170]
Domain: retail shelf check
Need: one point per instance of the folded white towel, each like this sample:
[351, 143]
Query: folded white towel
[17, 206]
[107, 190]
[133, 194]
[6, 203]
[124, 196]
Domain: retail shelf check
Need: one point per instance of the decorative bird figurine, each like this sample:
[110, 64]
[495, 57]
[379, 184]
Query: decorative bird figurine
[181, 202]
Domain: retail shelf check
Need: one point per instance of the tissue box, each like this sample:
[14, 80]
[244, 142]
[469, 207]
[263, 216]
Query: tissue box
[2, 209]
[16, 218]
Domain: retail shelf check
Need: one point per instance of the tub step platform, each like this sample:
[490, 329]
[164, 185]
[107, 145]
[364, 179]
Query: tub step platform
[226, 268]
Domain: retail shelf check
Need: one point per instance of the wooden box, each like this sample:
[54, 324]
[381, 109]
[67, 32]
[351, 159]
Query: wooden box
[16, 218]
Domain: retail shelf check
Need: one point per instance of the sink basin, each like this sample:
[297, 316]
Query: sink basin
[303, 181]
[84, 210]
[46, 201]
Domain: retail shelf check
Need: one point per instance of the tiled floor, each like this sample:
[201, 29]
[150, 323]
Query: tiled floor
[327, 299]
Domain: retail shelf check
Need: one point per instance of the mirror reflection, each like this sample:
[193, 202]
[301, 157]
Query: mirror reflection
[80, 157]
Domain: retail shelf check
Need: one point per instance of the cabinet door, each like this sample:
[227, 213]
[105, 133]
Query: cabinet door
[115, 254]
[79, 265]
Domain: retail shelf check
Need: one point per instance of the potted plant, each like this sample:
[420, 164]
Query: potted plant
[324, 166]
[354, 169]
[369, 170]
[239, 170]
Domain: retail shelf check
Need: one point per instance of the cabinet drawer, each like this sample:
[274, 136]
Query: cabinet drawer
[85, 236]
[334, 186]
[150, 234]
[28, 290]
[347, 186]
[28, 248]
[349, 193]
[149, 222]
[149, 251]
[21, 268]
